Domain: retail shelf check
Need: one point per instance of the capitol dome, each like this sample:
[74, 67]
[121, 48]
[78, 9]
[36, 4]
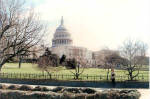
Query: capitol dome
[61, 36]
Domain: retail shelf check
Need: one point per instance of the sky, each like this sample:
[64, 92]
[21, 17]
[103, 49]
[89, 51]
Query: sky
[96, 24]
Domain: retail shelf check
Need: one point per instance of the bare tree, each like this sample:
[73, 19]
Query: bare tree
[32, 55]
[111, 61]
[20, 29]
[78, 62]
[78, 67]
[130, 51]
[49, 62]
[142, 52]
[100, 57]
[108, 59]
[20, 57]
[46, 64]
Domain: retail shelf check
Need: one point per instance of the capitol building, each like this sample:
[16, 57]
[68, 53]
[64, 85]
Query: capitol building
[62, 44]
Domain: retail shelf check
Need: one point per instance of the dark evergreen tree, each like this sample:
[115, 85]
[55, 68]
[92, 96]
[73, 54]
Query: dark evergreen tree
[71, 63]
[62, 59]
[53, 58]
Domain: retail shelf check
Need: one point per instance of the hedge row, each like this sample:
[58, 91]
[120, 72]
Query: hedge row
[29, 92]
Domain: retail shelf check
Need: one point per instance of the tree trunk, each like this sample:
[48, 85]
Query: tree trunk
[1, 65]
[20, 61]
[50, 76]
[107, 73]
[77, 76]
[131, 78]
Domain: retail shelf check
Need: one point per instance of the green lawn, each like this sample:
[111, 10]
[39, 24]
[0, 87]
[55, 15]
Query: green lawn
[25, 68]
[32, 68]
[92, 73]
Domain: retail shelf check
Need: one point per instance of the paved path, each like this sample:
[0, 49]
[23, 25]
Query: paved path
[145, 93]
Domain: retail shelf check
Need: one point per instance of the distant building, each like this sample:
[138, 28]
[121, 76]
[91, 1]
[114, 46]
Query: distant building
[62, 43]
[61, 37]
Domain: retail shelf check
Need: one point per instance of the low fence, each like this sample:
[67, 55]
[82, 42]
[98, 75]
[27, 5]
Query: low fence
[22, 76]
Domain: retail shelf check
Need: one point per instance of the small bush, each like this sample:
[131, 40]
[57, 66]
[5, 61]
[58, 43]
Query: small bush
[13, 87]
[58, 89]
[91, 96]
[97, 95]
[116, 94]
[104, 95]
[39, 88]
[14, 95]
[80, 96]
[26, 88]
[46, 89]
[129, 94]
[72, 90]
[39, 96]
[88, 90]
[67, 95]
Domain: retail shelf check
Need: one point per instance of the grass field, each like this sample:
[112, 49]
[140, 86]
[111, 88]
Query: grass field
[32, 68]
[92, 73]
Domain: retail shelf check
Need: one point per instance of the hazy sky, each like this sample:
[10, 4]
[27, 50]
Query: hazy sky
[98, 23]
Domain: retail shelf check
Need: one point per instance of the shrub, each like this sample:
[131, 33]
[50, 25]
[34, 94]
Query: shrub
[72, 90]
[46, 89]
[80, 96]
[104, 95]
[129, 94]
[71, 64]
[39, 95]
[91, 96]
[39, 88]
[116, 94]
[88, 90]
[13, 87]
[14, 95]
[97, 95]
[26, 88]
[67, 95]
[58, 89]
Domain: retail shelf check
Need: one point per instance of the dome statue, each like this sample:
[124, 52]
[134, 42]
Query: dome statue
[61, 36]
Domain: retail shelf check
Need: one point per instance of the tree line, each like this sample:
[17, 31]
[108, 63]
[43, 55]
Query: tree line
[131, 57]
